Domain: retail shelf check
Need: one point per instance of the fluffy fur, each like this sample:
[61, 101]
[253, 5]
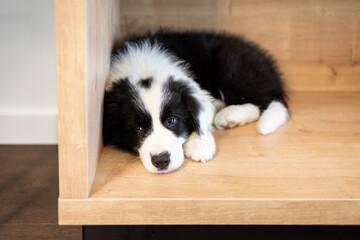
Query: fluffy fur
[163, 91]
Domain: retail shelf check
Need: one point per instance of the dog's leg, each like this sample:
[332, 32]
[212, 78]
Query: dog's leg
[275, 115]
[200, 145]
[200, 148]
[235, 115]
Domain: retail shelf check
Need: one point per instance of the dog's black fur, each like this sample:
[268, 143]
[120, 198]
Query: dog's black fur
[240, 69]
[122, 118]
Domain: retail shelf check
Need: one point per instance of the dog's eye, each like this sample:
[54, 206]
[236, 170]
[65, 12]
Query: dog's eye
[171, 121]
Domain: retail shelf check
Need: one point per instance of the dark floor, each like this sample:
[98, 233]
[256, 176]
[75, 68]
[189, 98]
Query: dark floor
[29, 193]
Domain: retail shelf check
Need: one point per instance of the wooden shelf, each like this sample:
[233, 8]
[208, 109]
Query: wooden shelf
[307, 172]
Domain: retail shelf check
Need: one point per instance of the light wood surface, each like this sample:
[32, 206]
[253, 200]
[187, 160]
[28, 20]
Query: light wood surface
[307, 172]
[86, 33]
[208, 211]
[71, 68]
[102, 26]
[317, 43]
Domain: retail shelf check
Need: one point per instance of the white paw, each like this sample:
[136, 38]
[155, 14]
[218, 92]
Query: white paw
[265, 126]
[272, 118]
[235, 115]
[200, 148]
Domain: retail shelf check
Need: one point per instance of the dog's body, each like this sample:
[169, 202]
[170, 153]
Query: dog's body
[161, 90]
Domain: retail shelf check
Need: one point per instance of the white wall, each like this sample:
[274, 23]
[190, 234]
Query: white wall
[28, 88]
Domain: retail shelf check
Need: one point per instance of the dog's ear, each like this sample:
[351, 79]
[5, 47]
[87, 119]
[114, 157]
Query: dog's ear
[121, 110]
[193, 107]
[110, 116]
[200, 107]
[113, 106]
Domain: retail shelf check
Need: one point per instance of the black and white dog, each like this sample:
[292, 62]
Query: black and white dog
[165, 91]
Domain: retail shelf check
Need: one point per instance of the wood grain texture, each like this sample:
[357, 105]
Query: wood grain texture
[71, 65]
[102, 26]
[311, 40]
[29, 192]
[208, 211]
[307, 172]
[86, 32]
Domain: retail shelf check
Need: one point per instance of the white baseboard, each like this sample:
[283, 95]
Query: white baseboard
[28, 126]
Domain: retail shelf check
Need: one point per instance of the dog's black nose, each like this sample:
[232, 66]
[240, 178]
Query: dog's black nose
[161, 161]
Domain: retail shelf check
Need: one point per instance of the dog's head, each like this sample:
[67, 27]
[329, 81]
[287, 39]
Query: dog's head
[153, 117]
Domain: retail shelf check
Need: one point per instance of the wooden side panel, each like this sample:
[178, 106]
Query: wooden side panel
[86, 31]
[310, 39]
[102, 24]
[209, 211]
[71, 63]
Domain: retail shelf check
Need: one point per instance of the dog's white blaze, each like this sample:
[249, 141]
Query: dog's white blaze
[161, 139]
[272, 118]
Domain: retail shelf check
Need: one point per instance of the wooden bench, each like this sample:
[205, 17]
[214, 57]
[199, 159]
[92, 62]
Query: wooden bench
[307, 172]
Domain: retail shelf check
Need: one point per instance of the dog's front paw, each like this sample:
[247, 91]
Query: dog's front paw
[200, 148]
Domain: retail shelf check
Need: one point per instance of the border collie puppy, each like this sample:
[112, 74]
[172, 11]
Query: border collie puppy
[165, 91]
